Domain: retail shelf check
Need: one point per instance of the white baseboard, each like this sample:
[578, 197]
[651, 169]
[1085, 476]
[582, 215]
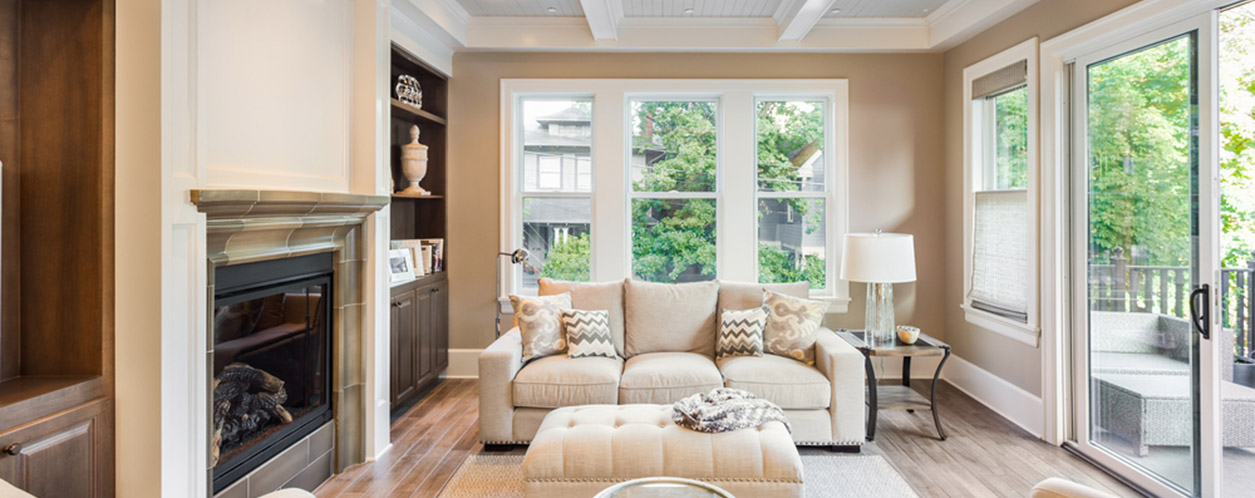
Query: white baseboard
[1015, 404]
[463, 364]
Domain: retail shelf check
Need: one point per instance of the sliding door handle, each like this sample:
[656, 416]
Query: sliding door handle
[1200, 310]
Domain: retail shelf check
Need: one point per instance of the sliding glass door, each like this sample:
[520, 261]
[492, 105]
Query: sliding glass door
[1144, 256]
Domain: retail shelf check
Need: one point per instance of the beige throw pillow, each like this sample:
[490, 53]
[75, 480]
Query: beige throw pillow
[791, 325]
[593, 296]
[540, 323]
[746, 295]
[672, 318]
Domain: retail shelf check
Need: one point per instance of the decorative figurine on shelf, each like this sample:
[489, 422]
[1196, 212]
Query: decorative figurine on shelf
[409, 91]
[414, 164]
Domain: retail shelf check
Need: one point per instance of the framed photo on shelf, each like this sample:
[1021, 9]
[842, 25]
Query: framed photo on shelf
[400, 265]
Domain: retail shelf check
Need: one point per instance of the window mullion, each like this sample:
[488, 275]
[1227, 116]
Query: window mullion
[738, 237]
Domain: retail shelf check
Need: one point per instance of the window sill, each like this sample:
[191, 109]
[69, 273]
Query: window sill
[836, 305]
[1020, 332]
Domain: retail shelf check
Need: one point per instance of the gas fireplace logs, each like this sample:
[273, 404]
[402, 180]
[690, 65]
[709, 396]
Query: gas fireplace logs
[246, 399]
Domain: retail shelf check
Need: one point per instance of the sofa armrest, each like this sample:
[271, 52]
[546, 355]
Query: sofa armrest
[498, 364]
[844, 367]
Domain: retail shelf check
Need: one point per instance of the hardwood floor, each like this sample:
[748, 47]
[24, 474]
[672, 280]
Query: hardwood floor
[985, 455]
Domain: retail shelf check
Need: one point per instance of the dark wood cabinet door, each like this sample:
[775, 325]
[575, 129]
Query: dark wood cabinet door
[59, 456]
[404, 377]
[440, 329]
[424, 335]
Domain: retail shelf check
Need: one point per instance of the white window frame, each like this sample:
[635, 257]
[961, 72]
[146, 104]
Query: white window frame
[974, 171]
[829, 195]
[736, 191]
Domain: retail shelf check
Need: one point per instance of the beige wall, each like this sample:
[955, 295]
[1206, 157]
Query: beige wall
[1006, 358]
[895, 159]
[137, 206]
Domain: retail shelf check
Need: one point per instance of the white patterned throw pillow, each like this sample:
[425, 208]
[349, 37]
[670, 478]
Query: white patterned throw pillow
[540, 323]
[791, 325]
[588, 333]
[741, 332]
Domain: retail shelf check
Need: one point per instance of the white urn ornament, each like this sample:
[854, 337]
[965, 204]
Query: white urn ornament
[414, 164]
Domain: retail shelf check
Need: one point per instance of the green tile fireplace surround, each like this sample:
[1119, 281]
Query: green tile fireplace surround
[245, 226]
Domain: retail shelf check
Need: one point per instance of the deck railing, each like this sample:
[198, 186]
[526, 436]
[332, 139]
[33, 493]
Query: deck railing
[1119, 286]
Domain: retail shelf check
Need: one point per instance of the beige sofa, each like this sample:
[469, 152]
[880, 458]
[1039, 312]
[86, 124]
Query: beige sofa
[665, 335]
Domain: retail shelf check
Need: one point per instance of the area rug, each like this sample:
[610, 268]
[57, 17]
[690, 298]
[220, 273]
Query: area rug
[501, 476]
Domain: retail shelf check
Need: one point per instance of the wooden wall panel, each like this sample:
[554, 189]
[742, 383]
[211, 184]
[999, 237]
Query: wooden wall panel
[10, 269]
[63, 193]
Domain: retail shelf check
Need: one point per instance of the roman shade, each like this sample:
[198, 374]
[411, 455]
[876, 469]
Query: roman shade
[1001, 80]
[1000, 254]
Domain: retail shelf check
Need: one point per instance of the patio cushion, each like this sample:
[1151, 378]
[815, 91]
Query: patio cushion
[1137, 363]
[789, 383]
[556, 381]
[667, 377]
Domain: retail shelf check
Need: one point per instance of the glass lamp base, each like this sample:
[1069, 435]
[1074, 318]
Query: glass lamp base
[880, 320]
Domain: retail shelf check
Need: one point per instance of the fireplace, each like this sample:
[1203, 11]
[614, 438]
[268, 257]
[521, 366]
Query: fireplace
[271, 342]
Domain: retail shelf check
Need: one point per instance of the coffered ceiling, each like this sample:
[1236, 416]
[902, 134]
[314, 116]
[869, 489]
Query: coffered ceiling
[704, 25]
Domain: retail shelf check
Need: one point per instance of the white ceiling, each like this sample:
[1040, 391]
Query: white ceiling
[523, 8]
[885, 8]
[701, 8]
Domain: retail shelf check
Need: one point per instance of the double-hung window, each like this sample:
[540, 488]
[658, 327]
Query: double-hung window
[675, 181]
[1000, 202]
[793, 189]
[556, 188]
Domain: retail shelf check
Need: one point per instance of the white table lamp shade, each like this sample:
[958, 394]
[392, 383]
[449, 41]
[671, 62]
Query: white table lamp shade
[887, 258]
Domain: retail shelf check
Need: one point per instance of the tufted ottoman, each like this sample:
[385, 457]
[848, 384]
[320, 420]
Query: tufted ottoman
[580, 450]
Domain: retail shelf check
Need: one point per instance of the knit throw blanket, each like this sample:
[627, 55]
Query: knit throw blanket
[726, 410]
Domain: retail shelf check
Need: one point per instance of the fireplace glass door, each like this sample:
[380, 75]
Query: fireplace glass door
[271, 362]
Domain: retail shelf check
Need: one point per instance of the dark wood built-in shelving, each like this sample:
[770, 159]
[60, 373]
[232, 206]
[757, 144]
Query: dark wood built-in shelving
[57, 238]
[419, 336]
[409, 112]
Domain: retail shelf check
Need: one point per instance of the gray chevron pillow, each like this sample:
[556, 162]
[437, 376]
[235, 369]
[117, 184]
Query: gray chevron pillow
[540, 323]
[588, 333]
[741, 333]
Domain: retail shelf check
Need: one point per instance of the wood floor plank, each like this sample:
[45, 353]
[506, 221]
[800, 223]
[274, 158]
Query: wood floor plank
[985, 455]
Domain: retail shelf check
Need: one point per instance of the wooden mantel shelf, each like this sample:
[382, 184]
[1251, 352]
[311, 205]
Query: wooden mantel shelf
[235, 204]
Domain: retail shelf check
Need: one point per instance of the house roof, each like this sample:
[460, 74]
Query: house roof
[569, 115]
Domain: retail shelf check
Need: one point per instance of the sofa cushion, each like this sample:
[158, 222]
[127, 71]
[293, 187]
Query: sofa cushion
[667, 377]
[745, 295]
[789, 383]
[593, 296]
[540, 322]
[556, 381]
[670, 317]
[791, 326]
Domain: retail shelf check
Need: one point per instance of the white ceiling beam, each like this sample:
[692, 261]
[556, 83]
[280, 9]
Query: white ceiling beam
[795, 18]
[957, 21]
[604, 17]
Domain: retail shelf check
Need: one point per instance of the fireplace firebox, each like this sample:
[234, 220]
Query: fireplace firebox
[271, 383]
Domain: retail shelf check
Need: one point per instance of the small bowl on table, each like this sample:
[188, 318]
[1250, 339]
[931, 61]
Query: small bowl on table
[908, 334]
